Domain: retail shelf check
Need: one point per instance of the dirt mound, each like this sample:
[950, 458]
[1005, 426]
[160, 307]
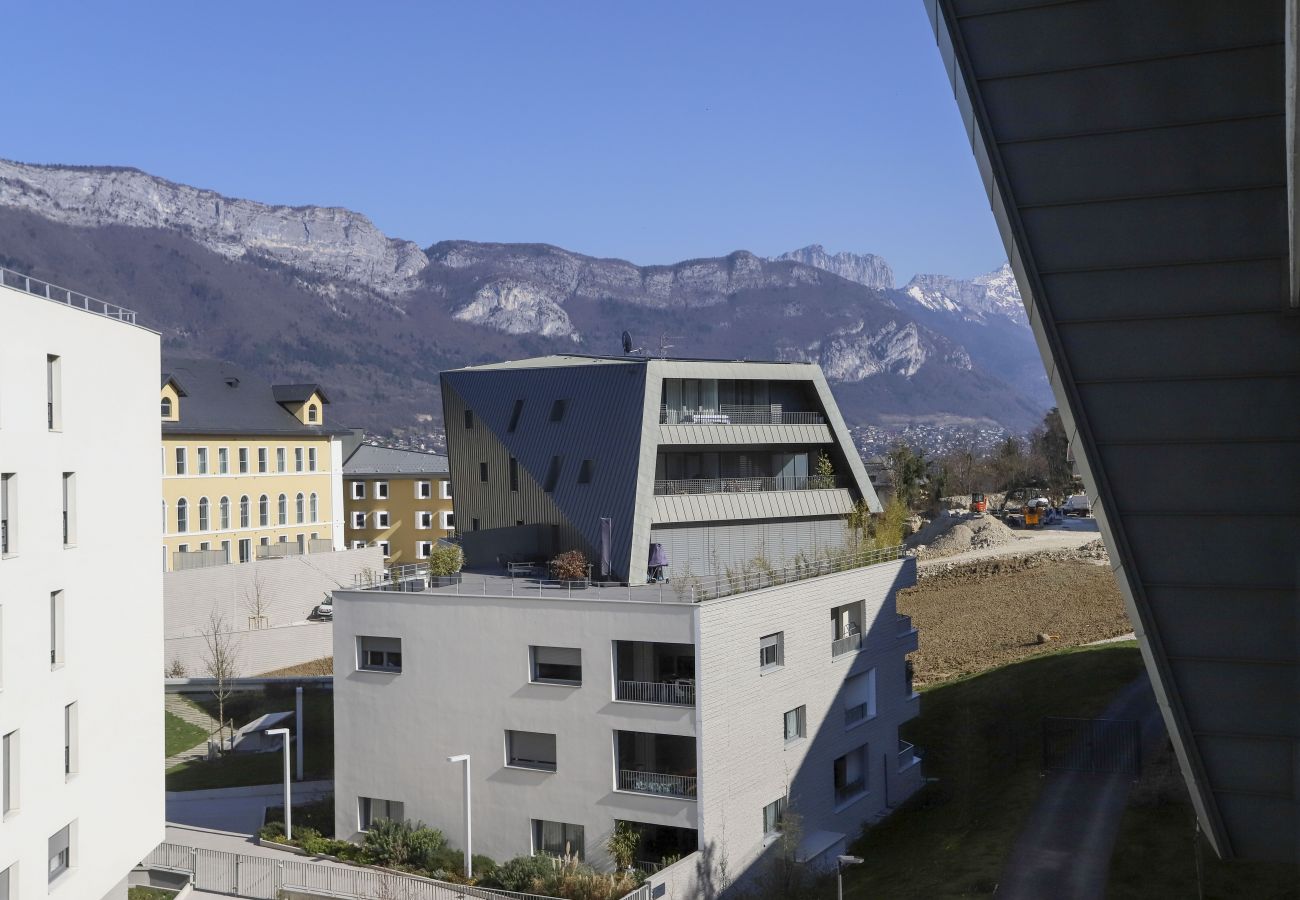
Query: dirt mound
[947, 535]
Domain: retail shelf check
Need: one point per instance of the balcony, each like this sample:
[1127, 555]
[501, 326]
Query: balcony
[848, 644]
[907, 755]
[659, 764]
[846, 629]
[733, 414]
[38, 288]
[746, 485]
[651, 672]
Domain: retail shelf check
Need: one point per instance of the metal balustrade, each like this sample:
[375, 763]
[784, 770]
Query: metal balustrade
[735, 484]
[656, 783]
[74, 299]
[670, 693]
[906, 754]
[737, 414]
[854, 714]
[850, 643]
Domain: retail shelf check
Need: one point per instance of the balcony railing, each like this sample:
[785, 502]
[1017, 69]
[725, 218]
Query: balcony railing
[199, 559]
[4, 535]
[67, 297]
[675, 693]
[906, 754]
[278, 550]
[850, 643]
[320, 545]
[656, 783]
[731, 414]
[745, 485]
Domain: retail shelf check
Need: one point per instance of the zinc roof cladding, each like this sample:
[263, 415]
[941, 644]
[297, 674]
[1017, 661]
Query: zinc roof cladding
[297, 393]
[371, 460]
[168, 378]
[579, 359]
[213, 406]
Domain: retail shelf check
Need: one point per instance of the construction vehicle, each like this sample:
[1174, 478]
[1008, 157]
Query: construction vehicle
[978, 504]
[1024, 508]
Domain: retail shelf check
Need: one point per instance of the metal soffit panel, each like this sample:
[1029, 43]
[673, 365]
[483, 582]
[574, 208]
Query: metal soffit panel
[1137, 162]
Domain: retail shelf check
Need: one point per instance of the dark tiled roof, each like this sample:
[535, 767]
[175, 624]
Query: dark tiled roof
[371, 460]
[221, 398]
[297, 393]
[169, 377]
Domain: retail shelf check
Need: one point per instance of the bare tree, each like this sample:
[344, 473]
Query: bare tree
[220, 662]
[257, 601]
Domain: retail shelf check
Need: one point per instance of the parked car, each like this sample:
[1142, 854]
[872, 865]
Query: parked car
[323, 612]
[1077, 505]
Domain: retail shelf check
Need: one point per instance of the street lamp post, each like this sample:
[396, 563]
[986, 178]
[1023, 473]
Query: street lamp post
[288, 810]
[842, 863]
[469, 848]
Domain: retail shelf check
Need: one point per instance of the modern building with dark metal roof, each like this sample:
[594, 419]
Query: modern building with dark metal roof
[1141, 163]
[716, 462]
[250, 469]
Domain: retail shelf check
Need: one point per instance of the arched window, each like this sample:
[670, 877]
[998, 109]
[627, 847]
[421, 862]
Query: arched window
[205, 523]
[167, 407]
[182, 516]
[312, 413]
[315, 508]
[299, 508]
[225, 513]
[264, 510]
[243, 511]
[284, 510]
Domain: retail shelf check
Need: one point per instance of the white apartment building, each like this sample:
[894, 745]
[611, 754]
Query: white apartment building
[704, 710]
[81, 787]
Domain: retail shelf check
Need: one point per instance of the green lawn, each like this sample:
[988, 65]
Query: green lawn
[148, 893]
[981, 736]
[1158, 845]
[181, 735]
[239, 769]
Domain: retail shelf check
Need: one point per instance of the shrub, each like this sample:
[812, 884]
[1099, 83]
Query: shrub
[524, 873]
[445, 559]
[387, 842]
[272, 831]
[622, 845]
[426, 847]
[310, 840]
[571, 565]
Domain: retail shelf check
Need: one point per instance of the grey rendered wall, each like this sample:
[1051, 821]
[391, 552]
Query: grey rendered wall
[745, 761]
[711, 549]
[464, 682]
[291, 588]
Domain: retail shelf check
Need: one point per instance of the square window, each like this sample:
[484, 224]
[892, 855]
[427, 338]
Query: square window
[796, 724]
[448, 520]
[558, 839]
[371, 810]
[444, 489]
[384, 548]
[530, 750]
[774, 817]
[381, 519]
[358, 519]
[556, 665]
[381, 490]
[771, 651]
[424, 490]
[358, 490]
[379, 654]
[423, 549]
[424, 519]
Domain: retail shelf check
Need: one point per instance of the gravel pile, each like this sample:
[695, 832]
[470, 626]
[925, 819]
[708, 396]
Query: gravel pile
[947, 535]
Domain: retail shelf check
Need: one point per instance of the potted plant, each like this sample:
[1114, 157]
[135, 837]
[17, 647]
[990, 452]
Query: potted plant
[445, 562]
[572, 566]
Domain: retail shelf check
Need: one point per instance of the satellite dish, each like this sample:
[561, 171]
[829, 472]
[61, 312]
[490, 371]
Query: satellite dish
[627, 343]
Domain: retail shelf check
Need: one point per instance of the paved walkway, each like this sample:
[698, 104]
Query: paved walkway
[184, 709]
[237, 811]
[1064, 849]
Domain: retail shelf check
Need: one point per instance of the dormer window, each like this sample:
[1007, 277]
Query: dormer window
[166, 407]
[313, 413]
[232, 382]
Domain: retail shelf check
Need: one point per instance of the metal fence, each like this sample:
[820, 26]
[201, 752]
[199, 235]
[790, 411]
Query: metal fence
[850, 643]
[278, 550]
[264, 877]
[656, 783]
[745, 485]
[39, 288]
[199, 559]
[1092, 745]
[674, 693]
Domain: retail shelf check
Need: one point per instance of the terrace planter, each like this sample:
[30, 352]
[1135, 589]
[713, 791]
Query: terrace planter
[444, 580]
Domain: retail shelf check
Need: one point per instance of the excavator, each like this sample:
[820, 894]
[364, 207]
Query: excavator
[978, 504]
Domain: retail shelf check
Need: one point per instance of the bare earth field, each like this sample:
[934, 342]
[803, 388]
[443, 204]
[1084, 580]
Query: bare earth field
[990, 612]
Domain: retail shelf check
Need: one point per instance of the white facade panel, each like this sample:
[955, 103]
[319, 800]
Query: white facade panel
[111, 582]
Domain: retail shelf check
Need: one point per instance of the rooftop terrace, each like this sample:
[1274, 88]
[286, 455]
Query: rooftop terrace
[415, 578]
[67, 297]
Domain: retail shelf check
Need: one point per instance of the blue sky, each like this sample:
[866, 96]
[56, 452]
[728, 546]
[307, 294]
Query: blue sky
[649, 131]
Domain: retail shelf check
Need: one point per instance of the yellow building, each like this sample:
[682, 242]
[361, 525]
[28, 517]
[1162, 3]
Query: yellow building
[249, 469]
[399, 500]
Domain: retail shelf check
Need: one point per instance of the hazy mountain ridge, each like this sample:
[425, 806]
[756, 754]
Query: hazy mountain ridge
[271, 286]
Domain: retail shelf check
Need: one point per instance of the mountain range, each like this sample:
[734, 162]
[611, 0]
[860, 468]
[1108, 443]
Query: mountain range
[321, 294]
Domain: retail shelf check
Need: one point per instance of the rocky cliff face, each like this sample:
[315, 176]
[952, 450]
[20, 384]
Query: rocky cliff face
[863, 268]
[994, 294]
[321, 242]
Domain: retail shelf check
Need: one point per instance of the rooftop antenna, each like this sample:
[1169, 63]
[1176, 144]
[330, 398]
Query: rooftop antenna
[628, 350]
[664, 346]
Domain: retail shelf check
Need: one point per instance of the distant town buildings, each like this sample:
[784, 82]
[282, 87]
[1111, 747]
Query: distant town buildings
[734, 660]
[81, 738]
[250, 470]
